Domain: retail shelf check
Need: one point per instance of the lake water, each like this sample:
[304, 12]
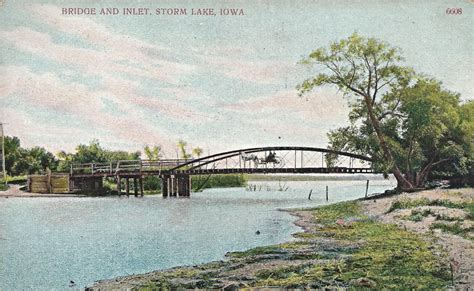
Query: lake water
[47, 242]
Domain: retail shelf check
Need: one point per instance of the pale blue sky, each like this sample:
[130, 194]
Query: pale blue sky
[219, 82]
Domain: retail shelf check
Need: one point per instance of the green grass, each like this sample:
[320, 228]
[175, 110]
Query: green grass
[3, 187]
[388, 257]
[406, 203]
[347, 250]
[258, 251]
[330, 213]
[14, 180]
[454, 228]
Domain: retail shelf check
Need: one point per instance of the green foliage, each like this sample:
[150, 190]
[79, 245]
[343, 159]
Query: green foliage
[387, 257]
[218, 181]
[21, 161]
[152, 153]
[152, 184]
[330, 213]
[404, 203]
[408, 123]
[182, 149]
[3, 187]
[95, 153]
[418, 215]
[258, 251]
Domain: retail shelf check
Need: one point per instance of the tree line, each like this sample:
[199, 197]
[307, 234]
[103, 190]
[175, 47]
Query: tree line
[22, 161]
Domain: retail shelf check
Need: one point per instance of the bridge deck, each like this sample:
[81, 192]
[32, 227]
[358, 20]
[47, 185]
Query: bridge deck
[320, 170]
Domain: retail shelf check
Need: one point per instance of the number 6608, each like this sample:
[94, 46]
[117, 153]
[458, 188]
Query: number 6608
[454, 11]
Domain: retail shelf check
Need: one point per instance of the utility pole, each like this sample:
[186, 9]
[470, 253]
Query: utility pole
[3, 155]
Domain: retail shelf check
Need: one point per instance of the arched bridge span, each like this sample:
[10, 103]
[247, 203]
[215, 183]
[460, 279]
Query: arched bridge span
[175, 173]
[282, 159]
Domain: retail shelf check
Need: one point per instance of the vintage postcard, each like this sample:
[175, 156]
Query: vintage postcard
[236, 144]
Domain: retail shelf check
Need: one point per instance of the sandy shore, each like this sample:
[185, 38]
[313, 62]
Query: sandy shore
[15, 191]
[367, 243]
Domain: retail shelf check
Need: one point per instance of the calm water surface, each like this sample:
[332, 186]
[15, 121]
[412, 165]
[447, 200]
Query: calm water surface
[47, 242]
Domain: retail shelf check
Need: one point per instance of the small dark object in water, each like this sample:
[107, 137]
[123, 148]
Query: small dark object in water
[257, 232]
[72, 283]
[375, 200]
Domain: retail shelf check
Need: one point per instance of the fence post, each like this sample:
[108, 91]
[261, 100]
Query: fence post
[327, 193]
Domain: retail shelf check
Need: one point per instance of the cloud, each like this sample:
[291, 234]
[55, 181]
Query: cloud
[94, 62]
[258, 71]
[323, 105]
[46, 92]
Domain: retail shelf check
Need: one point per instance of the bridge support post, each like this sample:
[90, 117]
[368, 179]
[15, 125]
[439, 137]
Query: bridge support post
[184, 185]
[165, 186]
[135, 187]
[140, 181]
[173, 186]
[119, 186]
[127, 186]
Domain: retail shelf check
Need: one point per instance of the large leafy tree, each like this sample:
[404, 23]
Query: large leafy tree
[21, 161]
[407, 123]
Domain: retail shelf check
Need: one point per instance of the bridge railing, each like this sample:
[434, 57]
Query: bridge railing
[115, 167]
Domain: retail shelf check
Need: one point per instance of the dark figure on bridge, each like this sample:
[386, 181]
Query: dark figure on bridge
[270, 158]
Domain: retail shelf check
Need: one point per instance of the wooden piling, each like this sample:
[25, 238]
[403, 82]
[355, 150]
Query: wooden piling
[127, 186]
[327, 193]
[309, 196]
[165, 186]
[135, 187]
[119, 186]
[367, 189]
[141, 185]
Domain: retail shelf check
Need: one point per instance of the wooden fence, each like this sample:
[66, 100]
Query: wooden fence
[49, 183]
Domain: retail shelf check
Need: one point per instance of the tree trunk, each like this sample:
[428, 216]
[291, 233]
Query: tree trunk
[402, 182]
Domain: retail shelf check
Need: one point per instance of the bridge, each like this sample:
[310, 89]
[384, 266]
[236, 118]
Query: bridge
[176, 174]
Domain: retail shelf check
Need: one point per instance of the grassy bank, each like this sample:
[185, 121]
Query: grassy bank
[341, 247]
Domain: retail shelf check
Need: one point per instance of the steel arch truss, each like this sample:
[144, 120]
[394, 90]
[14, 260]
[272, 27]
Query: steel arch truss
[288, 159]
